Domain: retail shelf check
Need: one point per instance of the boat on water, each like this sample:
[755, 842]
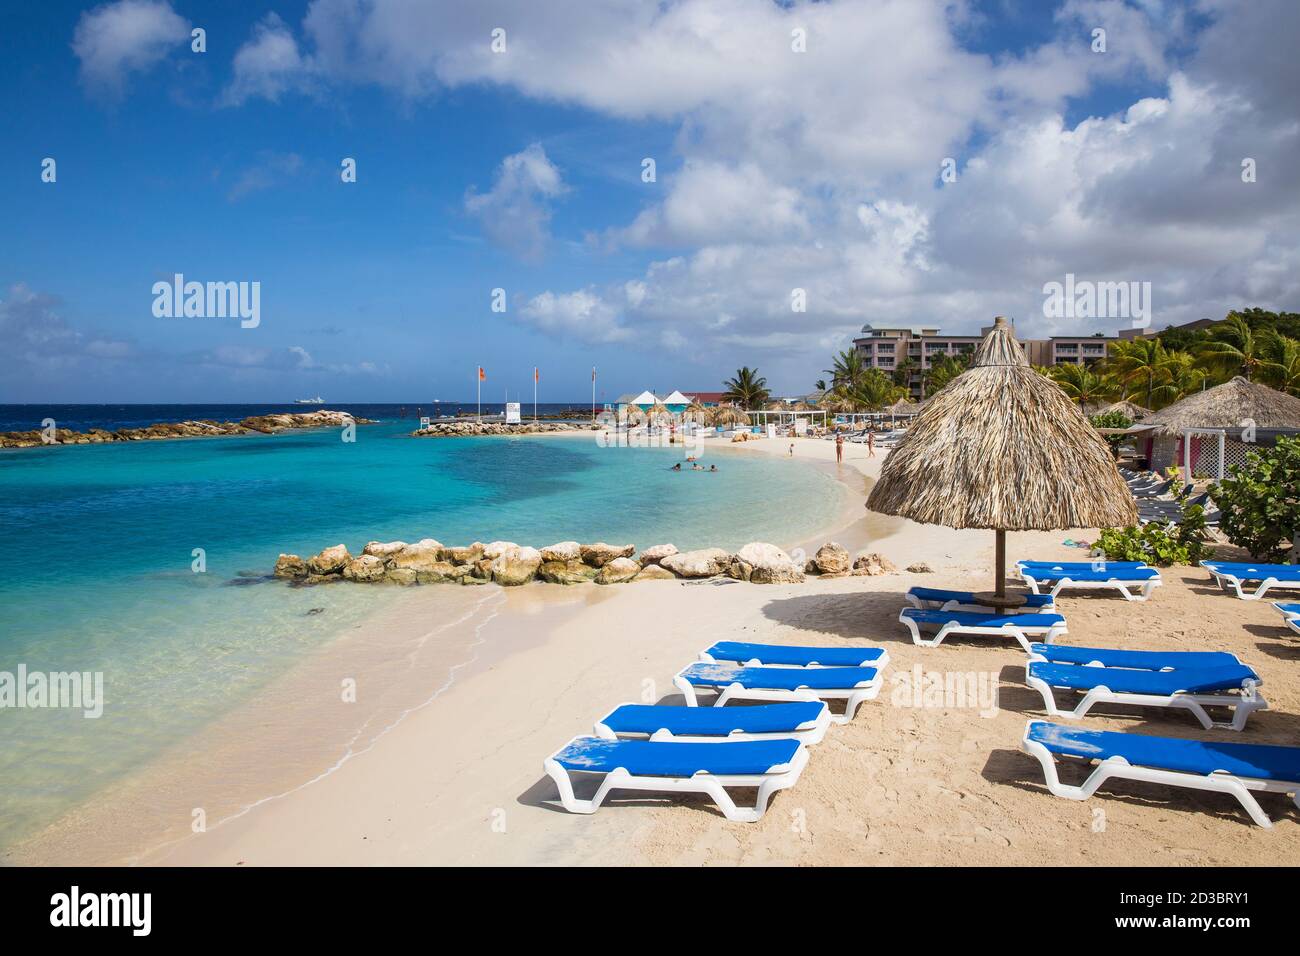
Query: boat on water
[309, 401]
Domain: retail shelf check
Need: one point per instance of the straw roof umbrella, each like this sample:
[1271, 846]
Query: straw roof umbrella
[1002, 447]
[730, 415]
[1126, 408]
[695, 412]
[1228, 406]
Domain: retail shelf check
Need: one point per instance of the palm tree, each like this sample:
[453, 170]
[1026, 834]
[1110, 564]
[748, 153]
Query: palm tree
[1185, 378]
[904, 371]
[1281, 365]
[747, 389]
[1141, 364]
[846, 369]
[943, 370]
[1082, 384]
[1233, 348]
[873, 391]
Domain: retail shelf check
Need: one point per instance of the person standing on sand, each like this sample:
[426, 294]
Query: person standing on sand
[871, 444]
[792, 449]
[839, 447]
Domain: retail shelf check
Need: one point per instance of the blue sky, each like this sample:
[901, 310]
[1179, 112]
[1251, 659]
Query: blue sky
[522, 169]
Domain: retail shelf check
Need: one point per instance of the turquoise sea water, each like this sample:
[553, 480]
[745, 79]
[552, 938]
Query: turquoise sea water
[97, 542]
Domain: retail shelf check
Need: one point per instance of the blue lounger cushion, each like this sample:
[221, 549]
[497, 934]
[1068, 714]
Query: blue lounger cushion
[646, 758]
[1083, 574]
[968, 597]
[714, 721]
[1138, 660]
[980, 619]
[1255, 572]
[794, 655]
[778, 678]
[1123, 680]
[1290, 610]
[1258, 761]
[1080, 565]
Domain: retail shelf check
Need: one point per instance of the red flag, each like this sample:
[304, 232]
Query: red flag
[536, 377]
[482, 375]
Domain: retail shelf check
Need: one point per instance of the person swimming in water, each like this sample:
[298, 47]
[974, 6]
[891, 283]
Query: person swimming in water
[713, 468]
[676, 467]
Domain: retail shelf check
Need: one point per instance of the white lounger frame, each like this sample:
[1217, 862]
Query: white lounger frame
[1047, 636]
[811, 735]
[852, 696]
[1218, 782]
[1127, 588]
[1230, 582]
[713, 785]
[1243, 704]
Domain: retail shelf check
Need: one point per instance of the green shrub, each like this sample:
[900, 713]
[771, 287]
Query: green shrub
[1156, 543]
[1261, 501]
[1113, 420]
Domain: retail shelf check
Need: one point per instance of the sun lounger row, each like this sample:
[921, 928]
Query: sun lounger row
[710, 750]
[1233, 575]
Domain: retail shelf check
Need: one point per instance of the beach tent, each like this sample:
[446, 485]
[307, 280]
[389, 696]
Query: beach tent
[676, 403]
[1002, 447]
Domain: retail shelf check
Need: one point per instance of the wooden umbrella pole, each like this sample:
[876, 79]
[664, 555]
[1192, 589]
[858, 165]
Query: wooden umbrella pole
[1000, 576]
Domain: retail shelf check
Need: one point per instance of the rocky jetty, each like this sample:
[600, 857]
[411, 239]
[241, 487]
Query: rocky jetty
[508, 564]
[464, 429]
[207, 428]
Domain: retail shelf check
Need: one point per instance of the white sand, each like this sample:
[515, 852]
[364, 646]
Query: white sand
[458, 778]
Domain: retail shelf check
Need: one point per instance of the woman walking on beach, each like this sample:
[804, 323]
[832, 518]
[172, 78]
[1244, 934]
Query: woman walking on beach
[871, 444]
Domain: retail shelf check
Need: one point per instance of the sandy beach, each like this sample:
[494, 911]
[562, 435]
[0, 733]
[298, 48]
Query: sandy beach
[461, 692]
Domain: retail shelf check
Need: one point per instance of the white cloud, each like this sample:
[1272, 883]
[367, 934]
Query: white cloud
[820, 170]
[583, 314]
[268, 65]
[129, 36]
[516, 212]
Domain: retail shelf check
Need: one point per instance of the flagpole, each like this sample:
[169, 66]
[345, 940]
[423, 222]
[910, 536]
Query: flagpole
[478, 378]
[535, 377]
[593, 393]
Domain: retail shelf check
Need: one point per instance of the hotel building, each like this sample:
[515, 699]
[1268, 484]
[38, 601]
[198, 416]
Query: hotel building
[888, 348]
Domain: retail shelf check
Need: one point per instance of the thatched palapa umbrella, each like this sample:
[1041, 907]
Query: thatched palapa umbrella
[1229, 406]
[1002, 447]
[730, 415]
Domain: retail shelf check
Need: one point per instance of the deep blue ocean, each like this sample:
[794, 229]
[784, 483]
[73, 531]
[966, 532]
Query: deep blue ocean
[98, 569]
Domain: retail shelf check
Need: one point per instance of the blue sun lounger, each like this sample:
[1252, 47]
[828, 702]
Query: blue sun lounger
[1200, 765]
[1231, 575]
[852, 685]
[1099, 564]
[1019, 626]
[1137, 660]
[790, 655]
[1290, 615]
[938, 599]
[1195, 687]
[805, 720]
[1134, 582]
[675, 767]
